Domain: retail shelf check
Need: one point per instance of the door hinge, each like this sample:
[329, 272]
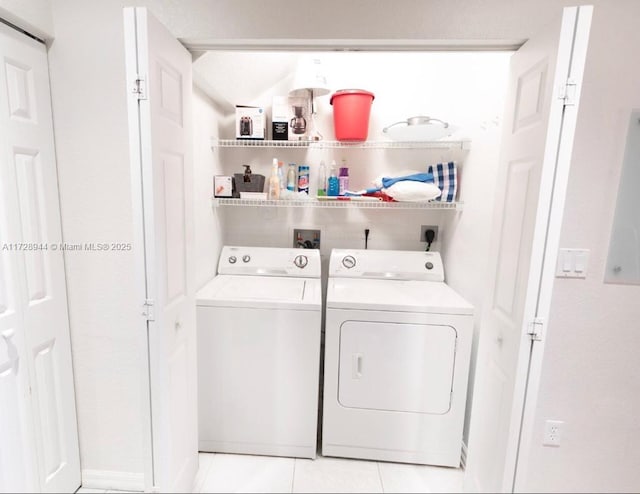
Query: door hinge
[148, 311]
[568, 92]
[140, 87]
[535, 329]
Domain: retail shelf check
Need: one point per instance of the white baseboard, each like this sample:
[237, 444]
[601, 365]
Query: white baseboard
[463, 456]
[120, 481]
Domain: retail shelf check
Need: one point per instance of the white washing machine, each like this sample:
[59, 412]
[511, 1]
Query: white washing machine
[397, 348]
[259, 353]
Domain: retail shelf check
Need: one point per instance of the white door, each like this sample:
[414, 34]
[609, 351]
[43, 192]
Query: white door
[33, 302]
[534, 128]
[162, 171]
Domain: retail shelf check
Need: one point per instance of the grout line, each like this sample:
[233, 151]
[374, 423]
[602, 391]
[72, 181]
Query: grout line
[293, 477]
[380, 476]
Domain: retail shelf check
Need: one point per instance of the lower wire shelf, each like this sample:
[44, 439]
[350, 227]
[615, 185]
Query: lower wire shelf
[349, 203]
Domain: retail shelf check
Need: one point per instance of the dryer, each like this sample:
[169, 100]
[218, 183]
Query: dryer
[259, 353]
[397, 350]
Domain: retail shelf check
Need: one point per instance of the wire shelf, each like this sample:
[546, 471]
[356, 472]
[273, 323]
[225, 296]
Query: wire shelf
[239, 143]
[336, 204]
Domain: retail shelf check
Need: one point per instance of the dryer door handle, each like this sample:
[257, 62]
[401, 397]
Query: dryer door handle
[356, 365]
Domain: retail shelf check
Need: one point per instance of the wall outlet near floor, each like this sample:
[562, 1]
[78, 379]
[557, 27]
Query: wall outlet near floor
[424, 228]
[306, 239]
[552, 433]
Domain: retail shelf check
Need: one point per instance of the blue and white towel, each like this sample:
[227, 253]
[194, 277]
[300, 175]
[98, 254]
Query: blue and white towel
[445, 176]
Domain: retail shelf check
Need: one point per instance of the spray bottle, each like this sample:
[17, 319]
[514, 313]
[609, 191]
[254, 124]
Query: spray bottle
[333, 187]
[274, 181]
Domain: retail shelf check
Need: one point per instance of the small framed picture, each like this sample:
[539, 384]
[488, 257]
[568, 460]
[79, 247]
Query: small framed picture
[222, 186]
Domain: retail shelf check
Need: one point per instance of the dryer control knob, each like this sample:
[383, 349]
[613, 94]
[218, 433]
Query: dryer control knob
[301, 261]
[246, 258]
[232, 259]
[429, 265]
[349, 262]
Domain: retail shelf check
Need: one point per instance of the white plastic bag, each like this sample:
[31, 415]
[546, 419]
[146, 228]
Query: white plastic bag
[409, 190]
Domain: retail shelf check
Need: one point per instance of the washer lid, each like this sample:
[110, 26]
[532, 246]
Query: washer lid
[395, 295]
[261, 292]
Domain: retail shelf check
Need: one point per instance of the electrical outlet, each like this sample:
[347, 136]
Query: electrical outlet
[424, 228]
[552, 433]
[306, 239]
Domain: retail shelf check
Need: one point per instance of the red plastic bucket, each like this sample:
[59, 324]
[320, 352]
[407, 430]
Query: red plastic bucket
[351, 110]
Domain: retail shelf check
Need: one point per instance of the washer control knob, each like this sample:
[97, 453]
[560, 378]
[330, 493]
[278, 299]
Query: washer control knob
[246, 258]
[301, 261]
[349, 262]
[232, 259]
[429, 265]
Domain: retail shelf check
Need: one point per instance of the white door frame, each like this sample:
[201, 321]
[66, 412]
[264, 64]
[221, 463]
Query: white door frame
[528, 376]
[519, 453]
[135, 159]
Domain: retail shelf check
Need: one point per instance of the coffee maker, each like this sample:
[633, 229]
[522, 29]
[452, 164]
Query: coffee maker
[246, 126]
[298, 123]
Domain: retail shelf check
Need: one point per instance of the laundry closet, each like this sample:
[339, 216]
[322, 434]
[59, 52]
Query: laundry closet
[464, 89]
[468, 91]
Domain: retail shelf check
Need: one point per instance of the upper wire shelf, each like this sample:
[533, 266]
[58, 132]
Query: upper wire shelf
[240, 143]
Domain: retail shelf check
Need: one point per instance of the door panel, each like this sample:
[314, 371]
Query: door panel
[29, 181]
[512, 250]
[28, 169]
[174, 225]
[161, 147]
[49, 412]
[20, 91]
[530, 96]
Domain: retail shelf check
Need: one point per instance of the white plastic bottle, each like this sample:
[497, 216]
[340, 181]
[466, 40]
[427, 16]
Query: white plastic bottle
[283, 182]
[274, 181]
[291, 177]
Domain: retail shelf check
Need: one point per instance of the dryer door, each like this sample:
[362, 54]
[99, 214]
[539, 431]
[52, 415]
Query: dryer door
[396, 366]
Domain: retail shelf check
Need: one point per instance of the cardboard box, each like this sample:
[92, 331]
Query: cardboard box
[280, 118]
[222, 186]
[251, 122]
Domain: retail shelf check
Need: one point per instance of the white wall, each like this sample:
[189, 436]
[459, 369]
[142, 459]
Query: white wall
[208, 224]
[364, 19]
[591, 369]
[34, 16]
[405, 84]
[90, 119]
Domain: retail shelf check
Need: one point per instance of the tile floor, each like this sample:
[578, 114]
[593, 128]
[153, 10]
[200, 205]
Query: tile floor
[245, 473]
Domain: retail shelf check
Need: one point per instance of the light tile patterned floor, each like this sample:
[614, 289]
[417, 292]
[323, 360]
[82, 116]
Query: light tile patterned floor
[246, 473]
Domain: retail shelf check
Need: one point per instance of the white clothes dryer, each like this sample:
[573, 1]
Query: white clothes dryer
[259, 353]
[397, 349]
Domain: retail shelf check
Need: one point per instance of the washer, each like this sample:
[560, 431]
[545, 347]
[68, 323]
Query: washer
[259, 353]
[397, 348]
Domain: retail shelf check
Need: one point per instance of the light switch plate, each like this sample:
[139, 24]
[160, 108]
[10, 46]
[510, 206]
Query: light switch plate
[572, 263]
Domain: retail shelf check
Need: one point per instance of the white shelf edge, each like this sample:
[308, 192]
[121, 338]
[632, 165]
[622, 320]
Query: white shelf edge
[336, 204]
[462, 145]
